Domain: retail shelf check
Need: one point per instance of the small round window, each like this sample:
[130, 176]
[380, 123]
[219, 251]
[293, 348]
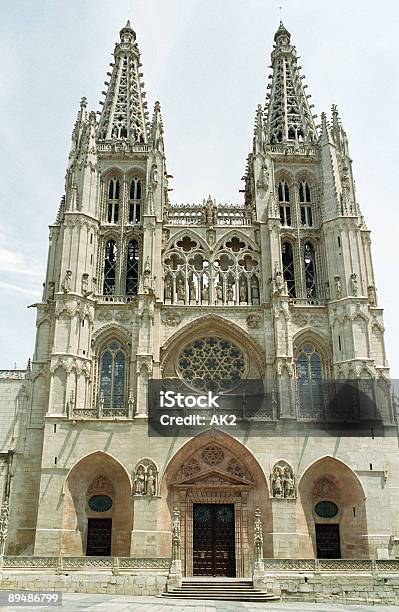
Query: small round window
[326, 509]
[100, 503]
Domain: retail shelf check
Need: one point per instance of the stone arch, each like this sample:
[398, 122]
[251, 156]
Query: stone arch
[231, 234]
[109, 332]
[76, 511]
[211, 324]
[112, 172]
[321, 343]
[331, 479]
[231, 475]
[186, 232]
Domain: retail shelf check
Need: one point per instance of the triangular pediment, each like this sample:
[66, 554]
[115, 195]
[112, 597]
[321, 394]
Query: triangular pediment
[213, 477]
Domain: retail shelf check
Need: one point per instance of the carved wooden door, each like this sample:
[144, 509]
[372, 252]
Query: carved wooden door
[99, 535]
[213, 540]
[327, 541]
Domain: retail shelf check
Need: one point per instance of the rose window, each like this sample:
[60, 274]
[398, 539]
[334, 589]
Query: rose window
[212, 455]
[213, 364]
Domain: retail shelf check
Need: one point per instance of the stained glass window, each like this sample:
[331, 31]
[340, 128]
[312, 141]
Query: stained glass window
[309, 375]
[326, 509]
[211, 363]
[100, 503]
[112, 377]
[132, 267]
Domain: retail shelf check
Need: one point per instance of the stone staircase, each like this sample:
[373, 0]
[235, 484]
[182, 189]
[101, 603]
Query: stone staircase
[227, 589]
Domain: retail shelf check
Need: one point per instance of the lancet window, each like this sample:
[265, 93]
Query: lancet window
[132, 267]
[110, 259]
[305, 204]
[112, 377]
[310, 271]
[113, 201]
[288, 267]
[285, 208]
[135, 197]
[193, 276]
[309, 377]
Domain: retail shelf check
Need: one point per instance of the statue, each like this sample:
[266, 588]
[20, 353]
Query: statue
[338, 292]
[180, 290]
[277, 482]
[254, 290]
[168, 288]
[278, 283]
[243, 292]
[192, 292]
[289, 484]
[67, 282]
[139, 481]
[354, 284]
[205, 293]
[151, 481]
[219, 293]
[85, 284]
[372, 295]
[147, 284]
[230, 292]
[51, 291]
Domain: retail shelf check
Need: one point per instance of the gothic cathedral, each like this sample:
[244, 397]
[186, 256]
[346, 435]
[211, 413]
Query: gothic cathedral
[278, 288]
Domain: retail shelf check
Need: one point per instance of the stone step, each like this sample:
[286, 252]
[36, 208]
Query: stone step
[221, 590]
[222, 596]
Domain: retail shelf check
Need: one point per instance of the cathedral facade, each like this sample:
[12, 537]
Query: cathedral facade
[279, 288]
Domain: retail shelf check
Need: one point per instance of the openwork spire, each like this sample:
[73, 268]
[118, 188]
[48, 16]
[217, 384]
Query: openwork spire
[289, 117]
[124, 115]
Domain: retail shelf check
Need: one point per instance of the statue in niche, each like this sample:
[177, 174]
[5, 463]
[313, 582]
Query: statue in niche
[277, 482]
[288, 483]
[168, 288]
[85, 284]
[51, 291]
[327, 290]
[243, 292]
[192, 293]
[219, 293]
[67, 282]
[147, 280]
[230, 292]
[151, 481]
[254, 290]
[278, 283]
[371, 295]
[139, 481]
[205, 293]
[354, 284]
[338, 290]
[180, 290]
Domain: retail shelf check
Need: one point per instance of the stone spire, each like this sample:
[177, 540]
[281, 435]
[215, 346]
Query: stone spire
[288, 114]
[124, 114]
[156, 129]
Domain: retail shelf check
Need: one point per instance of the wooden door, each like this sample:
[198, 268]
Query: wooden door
[328, 541]
[213, 540]
[99, 536]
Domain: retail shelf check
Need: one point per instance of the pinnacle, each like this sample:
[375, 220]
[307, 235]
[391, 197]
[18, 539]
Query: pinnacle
[281, 31]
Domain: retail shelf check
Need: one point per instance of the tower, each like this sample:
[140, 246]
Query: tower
[278, 288]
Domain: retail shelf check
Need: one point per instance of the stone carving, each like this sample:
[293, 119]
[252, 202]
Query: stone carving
[278, 283]
[371, 295]
[145, 479]
[50, 291]
[101, 484]
[147, 278]
[354, 286]
[282, 481]
[192, 292]
[212, 455]
[190, 468]
[130, 402]
[236, 468]
[243, 292]
[255, 290]
[253, 321]
[168, 288]
[180, 290]
[303, 319]
[258, 537]
[171, 318]
[219, 293]
[85, 284]
[338, 290]
[324, 487]
[205, 293]
[4, 521]
[67, 282]
[230, 292]
[176, 538]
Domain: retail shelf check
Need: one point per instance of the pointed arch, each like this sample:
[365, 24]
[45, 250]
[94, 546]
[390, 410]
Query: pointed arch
[230, 234]
[180, 235]
[211, 324]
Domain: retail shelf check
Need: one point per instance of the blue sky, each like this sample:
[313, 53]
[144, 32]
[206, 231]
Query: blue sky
[206, 61]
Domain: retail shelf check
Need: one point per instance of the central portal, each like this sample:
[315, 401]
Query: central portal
[213, 540]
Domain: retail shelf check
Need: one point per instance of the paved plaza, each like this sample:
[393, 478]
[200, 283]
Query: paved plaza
[80, 602]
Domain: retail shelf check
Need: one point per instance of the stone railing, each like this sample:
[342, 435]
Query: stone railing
[195, 215]
[60, 564]
[115, 299]
[122, 146]
[13, 374]
[344, 566]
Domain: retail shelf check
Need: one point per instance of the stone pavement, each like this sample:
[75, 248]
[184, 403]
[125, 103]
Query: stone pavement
[80, 602]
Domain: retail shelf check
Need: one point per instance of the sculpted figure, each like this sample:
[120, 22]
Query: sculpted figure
[243, 292]
[205, 293]
[180, 290]
[219, 292]
[192, 291]
[289, 484]
[67, 282]
[51, 290]
[338, 292]
[151, 481]
[277, 483]
[371, 294]
[354, 284]
[230, 292]
[254, 289]
[168, 288]
[139, 481]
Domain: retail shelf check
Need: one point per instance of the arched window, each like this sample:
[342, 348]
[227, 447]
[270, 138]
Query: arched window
[283, 192]
[310, 271]
[306, 209]
[132, 267]
[304, 192]
[113, 201]
[309, 374]
[135, 194]
[110, 257]
[112, 377]
[284, 198]
[288, 267]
